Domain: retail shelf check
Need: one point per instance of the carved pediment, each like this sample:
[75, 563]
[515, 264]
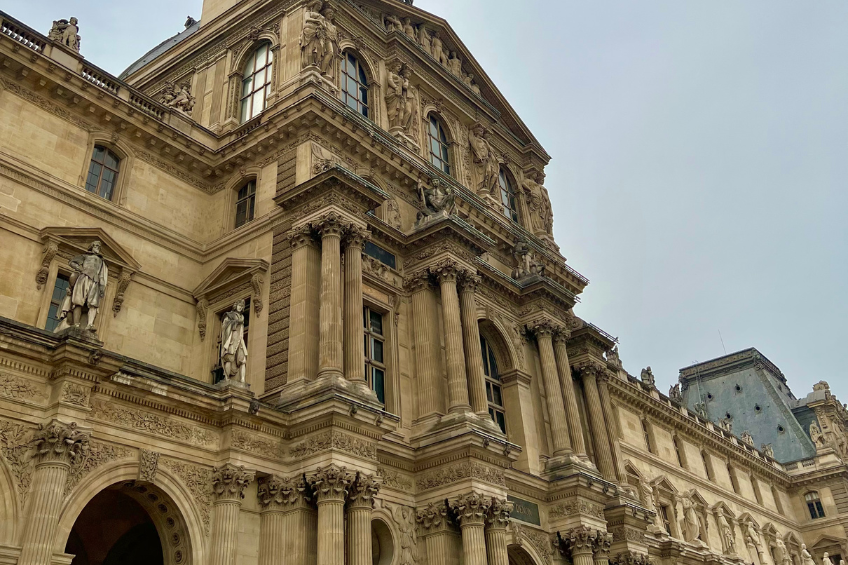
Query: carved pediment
[721, 507]
[662, 484]
[231, 277]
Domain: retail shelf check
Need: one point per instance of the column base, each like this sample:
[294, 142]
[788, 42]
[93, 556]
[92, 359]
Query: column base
[566, 465]
[304, 393]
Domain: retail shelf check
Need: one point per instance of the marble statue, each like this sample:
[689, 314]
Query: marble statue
[87, 288]
[437, 201]
[486, 164]
[475, 88]
[691, 522]
[727, 534]
[816, 435]
[319, 40]
[767, 450]
[726, 424]
[410, 120]
[675, 395]
[455, 64]
[409, 29]
[178, 97]
[233, 347]
[394, 94]
[393, 214]
[752, 537]
[647, 376]
[539, 203]
[826, 559]
[806, 558]
[781, 556]
[66, 33]
[747, 438]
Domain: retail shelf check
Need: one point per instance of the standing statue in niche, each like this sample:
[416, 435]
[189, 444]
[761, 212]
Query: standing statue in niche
[727, 535]
[425, 40]
[87, 288]
[437, 48]
[319, 40]
[540, 203]
[331, 44]
[410, 104]
[395, 100]
[781, 556]
[752, 537]
[806, 558]
[233, 347]
[409, 29]
[66, 33]
[486, 163]
[826, 559]
[691, 522]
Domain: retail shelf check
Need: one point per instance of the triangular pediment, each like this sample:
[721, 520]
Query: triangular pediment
[77, 240]
[229, 273]
[746, 518]
[826, 541]
[663, 484]
[723, 508]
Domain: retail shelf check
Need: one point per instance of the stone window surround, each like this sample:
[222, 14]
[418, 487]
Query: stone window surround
[125, 166]
[391, 386]
[454, 156]
[374, 95]
[665, 495]
[231, 192]
[236, 59]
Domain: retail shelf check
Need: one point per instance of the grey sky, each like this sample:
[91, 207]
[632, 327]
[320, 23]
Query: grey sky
[700, 158]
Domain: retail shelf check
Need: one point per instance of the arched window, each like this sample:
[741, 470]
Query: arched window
[814, 505]
[510, 210]
[494, 393]
[354, 84]
[256, 84]
[245, 203]
[438, 145]
[103, 172]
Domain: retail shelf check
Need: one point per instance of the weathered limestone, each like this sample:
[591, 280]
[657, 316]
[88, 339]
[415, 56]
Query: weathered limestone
[470, 511]
[447, 273]
[330, 227]
[435, 529]
[228, 484]
[360, 503]
[354, 352]
[304, 302]
[589, 373]
[426, 343]
[272, 520]
[471, 334]
[553, 395]
[579, 543]
[330, 486]
[57, 446]
[572, 412]
[497, 521]
[612, 429]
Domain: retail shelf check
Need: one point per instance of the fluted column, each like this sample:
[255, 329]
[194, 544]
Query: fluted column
[470, 511]
[603, 543]
[589, 372]
[57, 446]
[281, 541]
[330, 227]
[579, 543]
[228, 484]
[303, 302]
[496, 522]
[572, 412]
[446, 273]
[360, 504]
[553, 395]
[612, 427]
[329, 485]
[301, 522]
[471, 336]
[434, 528]
[354, 353]
[426, 342]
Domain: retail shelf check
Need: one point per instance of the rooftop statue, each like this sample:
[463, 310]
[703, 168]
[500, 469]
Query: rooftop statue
[647, 377]
[66, 32]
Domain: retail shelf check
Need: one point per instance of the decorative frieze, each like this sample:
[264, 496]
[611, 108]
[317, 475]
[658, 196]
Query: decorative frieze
[18, 388]
[153, 424]
[75, 394]
[15, 447]
[459, 472]
[334, 440]
[630, 558]
[251, 442]
[98, 454]
[576, 507]
[197, 480]
[393, 479]
[148, 464]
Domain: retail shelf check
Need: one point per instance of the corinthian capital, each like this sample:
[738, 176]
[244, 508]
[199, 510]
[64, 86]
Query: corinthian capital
[603, 542]
[445, 270]
[301, 236]
[58, 442]
[356, 236]
[469, 281]
[418, 280]
[330, 483]
[561, 334]
[330, 223]
[471, 508]
[581, 539]
[229, 482]
[590, 369]
[363, 490]
[433, 518]
[499, 512]
[277, 493]
[543, 328]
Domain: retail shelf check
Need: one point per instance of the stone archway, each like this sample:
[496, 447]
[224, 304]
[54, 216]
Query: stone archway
[518, 555]
[129, 523]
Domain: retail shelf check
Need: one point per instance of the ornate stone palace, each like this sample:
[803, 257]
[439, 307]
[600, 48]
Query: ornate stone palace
[286, 293]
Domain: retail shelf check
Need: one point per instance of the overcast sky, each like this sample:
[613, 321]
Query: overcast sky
[700, 159]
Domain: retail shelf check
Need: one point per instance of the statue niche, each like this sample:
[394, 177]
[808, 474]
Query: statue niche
[486, 163]
[539, 203]
[233, 347]
[86, 291]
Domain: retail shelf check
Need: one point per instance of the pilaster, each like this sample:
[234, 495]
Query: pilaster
[435, 528]
[304, 302]
[589, 372]
[330, 485]
[354, 353]
[330, 350]
[572, 412]
[228, 484]
[447, 272]
[426, 344]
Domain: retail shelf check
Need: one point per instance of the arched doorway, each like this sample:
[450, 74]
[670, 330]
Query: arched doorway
[518, 555]
[129, 524]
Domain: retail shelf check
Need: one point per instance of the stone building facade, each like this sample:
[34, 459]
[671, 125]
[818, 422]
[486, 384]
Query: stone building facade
[402, 379]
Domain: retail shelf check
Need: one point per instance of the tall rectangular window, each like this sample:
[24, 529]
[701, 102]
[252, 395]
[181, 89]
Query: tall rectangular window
[494, 392]
[60, 289]
[375, 346]
[664, 515]
[245, 203]
[647, 436]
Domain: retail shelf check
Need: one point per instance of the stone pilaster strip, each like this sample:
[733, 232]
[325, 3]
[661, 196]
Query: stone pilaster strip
[572, 412]
[544, 332]
[471, 335]
[612, 428]
[447, 272]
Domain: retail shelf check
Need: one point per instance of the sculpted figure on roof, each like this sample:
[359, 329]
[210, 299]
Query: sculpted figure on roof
[66, 33]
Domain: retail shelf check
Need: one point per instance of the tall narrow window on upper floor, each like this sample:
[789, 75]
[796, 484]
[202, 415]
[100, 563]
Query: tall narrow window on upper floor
[375, 345]
[708, 468]
[647, 435]
[60, 290]
[814, 505]
[354, 84]
[438, 145]
[510, 210]
[103, 172]
[245, 203]
[733, 480]
[778, 503]
[256, 84]
[494, 392]
[677, 451]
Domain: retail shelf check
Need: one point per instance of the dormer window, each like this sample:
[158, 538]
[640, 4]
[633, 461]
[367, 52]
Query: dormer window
[354, 84]
[256, 84]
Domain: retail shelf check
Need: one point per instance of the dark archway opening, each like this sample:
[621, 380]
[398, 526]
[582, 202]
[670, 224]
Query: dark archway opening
[114, 529]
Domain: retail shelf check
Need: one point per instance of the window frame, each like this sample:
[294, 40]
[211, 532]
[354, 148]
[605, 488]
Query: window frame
[362, 81]
[510, 210]
[708, 470]
[250, 197]
[493, 383]
[267, 71]
[646, 432]
[61, 274]
[107, 151]
[678, 451]
[443, 140]
[814, 505]
[371, 364]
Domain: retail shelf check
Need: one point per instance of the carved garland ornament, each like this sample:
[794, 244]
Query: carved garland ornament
[459, 472]
[18, 388]
[98, 454]
[14, 445]
[152, 423]
[197, 480]
[335, 440]
[253, 443]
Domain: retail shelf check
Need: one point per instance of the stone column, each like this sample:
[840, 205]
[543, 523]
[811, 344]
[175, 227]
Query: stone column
[228, 484]
[330, 227]
[303, 302]
[57, 446]
[612, 427]
[329, 485]
[496, 522]
[447, 272]
[272, 521]
[470, 511]
[301, 522]
[579, 543]
[427, 350]
[435, 529]
[572, 412]
[360, 503]
[589, 373]
[603, 542]
[553, 395]
[473, 354]
[354, 354]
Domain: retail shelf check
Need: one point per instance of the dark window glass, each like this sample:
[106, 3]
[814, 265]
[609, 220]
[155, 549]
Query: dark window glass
[217, 369]
[375, 343]
[354, 84]
[510, 210]
[102, 172]
[494, 392]
[245, 203]
[60, 290]
[647, 437]
[707, 466]
[664, 514]
[814, 505]
[438, 143]
[380, 254]
[256, 82]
